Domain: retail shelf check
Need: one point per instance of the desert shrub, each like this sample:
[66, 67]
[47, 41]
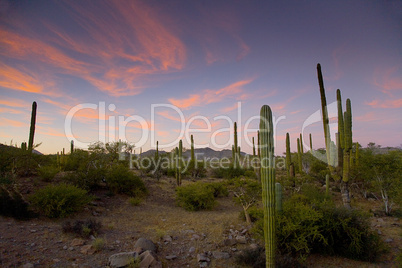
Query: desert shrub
[57, 201]
[98, 244]
[135, 201]
[47, 173]
[84, 228]
[306, 227]
[121, 180]
[348, 234]
[196, 196]
[12, 204]
[250, 174]
[254, 212]
[313, 194]
[219, 189]
[87, 180]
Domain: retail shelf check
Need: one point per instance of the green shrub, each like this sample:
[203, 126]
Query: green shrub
[219, 189]
[88, 180]
[254, 212]
[47, 173]
[196, 196]
[121, 180]
[135, 201]
[57, 201]
[98, 244]
[250, 174]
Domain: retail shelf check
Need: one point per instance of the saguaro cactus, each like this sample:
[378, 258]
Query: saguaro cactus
[301, 144]
[236, 160]
[341, 143]
[268, 182]
[346, 153]
[192, 150]
[23, 146]
[299, 156]
[311, 143]
[325, 119]
[288, 156]
[72, 147]
[253, 148]
[32, 129]
[258, 144]
[176, 166]
[278, 197]
[180, 161]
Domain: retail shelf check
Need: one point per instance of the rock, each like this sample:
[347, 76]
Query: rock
[220, 255]
[147, 259]
[202, 258]
[77, 242]
[65, 247]
[229, 242]
[241, 239]
[191, 250]
[254, 246]
[28, 265]
[203, 264]
[379, 232]
[71, 248]
[244, 231]
[195, 237]
[145, 244]
[389, 240]
[171, 257]
[167, 238]
[88, 250]
[121, 259]
[189, 231]
[380, 220]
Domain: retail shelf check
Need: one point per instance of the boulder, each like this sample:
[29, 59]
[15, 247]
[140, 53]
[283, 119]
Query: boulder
[122, 259]
[145, 244]
[220, 255]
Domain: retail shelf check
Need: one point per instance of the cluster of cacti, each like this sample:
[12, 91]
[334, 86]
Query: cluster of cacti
[278, 197]
[61, 159]
[32, 128]
[288, 155]
[268, 182]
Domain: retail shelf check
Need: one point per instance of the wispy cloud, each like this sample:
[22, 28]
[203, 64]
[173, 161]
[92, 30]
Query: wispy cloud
[12, 123]
[388, 81]
[387, 104]
[208, 96]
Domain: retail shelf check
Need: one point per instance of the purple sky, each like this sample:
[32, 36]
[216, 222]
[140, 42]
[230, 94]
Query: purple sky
[206, 58]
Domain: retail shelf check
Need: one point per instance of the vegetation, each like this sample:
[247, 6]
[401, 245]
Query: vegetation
[58, 201]
[196, 196]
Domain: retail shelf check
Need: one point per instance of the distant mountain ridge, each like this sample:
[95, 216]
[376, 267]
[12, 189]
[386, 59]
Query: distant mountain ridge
[200, 153]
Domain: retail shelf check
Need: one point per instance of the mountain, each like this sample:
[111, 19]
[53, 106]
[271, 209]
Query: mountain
[200, 153]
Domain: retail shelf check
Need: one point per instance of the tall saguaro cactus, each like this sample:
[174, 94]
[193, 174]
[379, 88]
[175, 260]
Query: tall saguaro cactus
[192, 150]
[268, 182]
[288, 156]
[299, 156]
[301, 144]
[72, 147]
[346, 153]
[32, 129]
[236, 148]
[341, 143]
[180, 161]
[253, 148]
[311, 143]
[258, 144]
[325, 119]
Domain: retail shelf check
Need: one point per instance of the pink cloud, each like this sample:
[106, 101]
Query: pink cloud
[388, 80]
[208, 96]
[386, 103]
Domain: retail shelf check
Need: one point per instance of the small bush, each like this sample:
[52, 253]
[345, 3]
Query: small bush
[82, 228]
[254, 212]
[121, 180]
[58, 201]
[197, 196]
[47, 173]
[98, 244]
[219, 189]
[250, 174]
[135, 201]
[88, 180]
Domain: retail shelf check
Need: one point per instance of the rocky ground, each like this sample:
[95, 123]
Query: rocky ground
[181, 238]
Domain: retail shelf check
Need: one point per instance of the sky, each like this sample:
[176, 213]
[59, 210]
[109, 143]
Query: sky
[147, 71]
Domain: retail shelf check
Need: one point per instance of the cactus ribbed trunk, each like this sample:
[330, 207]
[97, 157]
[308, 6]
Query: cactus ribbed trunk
[301, 144]
[278, 197]
[192, 150]
[299, 156]
[325, 119]
[32, 128]
[253, 148]
[72, 147]
[268, 183]
[288, 156]
[311, 143]
[180, 161]
[236, 160]
[341, 142]
[346, 153]
[258, 144]
[176, 166]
